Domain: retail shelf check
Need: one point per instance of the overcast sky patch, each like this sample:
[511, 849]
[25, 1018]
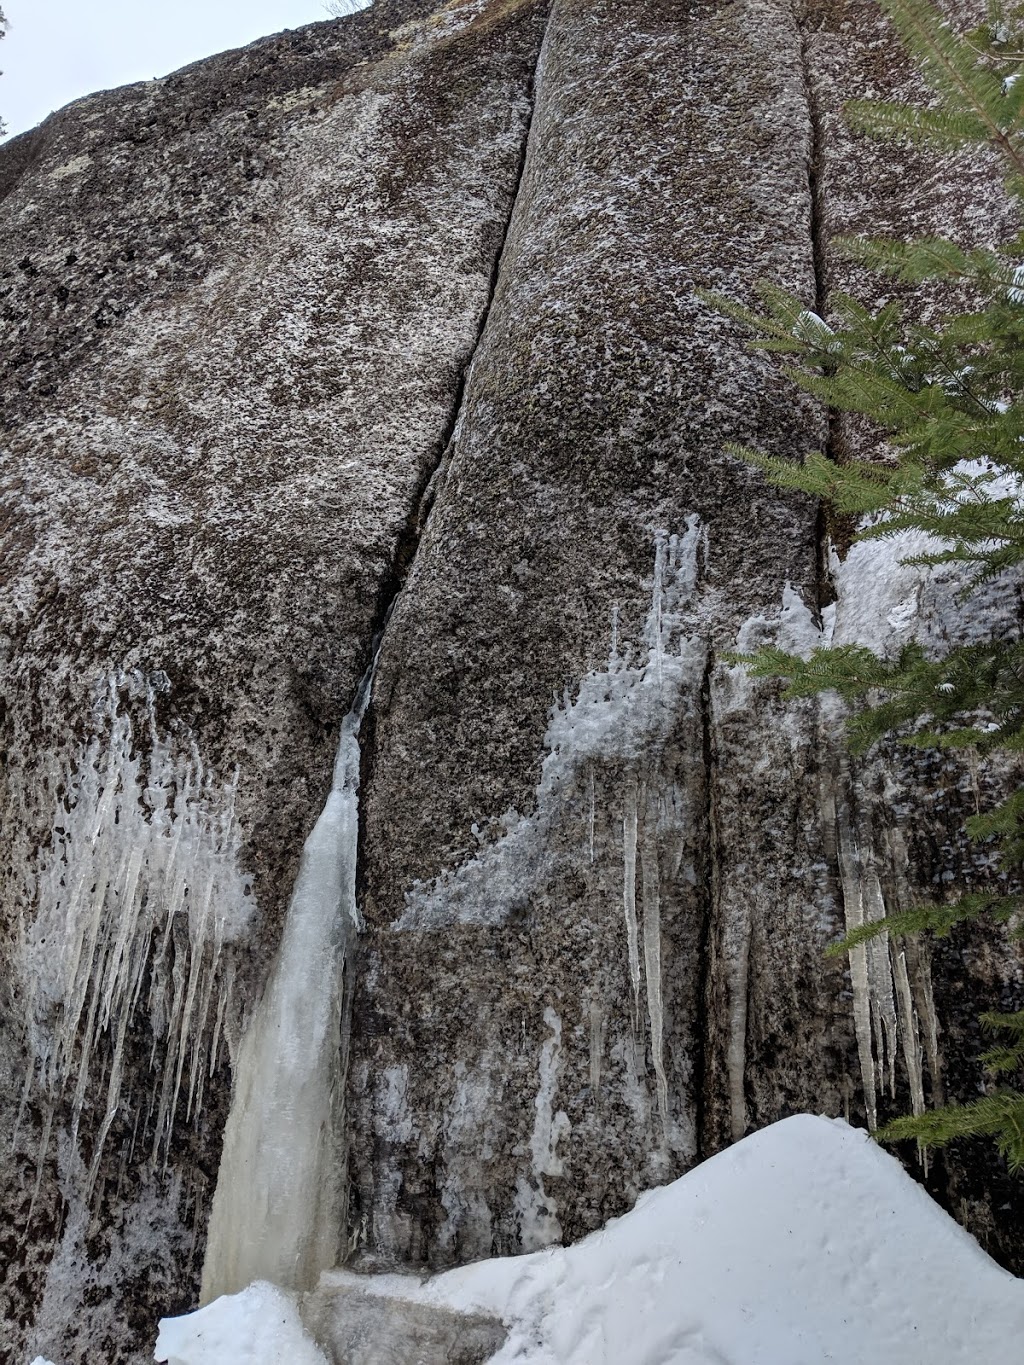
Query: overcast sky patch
[59, 50]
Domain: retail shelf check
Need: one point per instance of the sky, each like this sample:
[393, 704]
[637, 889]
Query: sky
[58, 50]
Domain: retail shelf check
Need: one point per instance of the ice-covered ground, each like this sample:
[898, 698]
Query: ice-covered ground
[801, 1244]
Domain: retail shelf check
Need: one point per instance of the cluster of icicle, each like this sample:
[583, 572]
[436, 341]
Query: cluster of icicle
[885, 598]
[136, 895]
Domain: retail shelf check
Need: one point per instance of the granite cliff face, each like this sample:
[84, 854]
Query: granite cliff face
[382, 338]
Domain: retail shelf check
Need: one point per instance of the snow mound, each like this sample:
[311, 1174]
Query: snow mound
[803, 1243]
[260, 1326]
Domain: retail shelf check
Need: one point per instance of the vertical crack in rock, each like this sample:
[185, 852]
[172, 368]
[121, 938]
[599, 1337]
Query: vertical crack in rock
[415, 527]
[816, 183]
[819, 258]
[280, 1206]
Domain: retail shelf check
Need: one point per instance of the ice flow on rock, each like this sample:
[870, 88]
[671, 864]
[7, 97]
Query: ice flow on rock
[279, 1203]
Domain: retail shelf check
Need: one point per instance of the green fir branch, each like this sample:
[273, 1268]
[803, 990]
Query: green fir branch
[999, 1116]
[939, 920]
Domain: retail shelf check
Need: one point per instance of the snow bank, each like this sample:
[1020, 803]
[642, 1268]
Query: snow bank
[260, 1326]
[801, 1244]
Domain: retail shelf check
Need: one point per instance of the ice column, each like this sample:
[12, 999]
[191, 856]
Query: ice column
[279, 1205]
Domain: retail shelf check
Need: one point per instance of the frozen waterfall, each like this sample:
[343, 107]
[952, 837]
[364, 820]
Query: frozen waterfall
[279, 1204]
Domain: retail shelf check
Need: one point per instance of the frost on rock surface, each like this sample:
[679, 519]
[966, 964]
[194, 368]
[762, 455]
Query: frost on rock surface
[152, 1229]
[136, 895]
[623, 714]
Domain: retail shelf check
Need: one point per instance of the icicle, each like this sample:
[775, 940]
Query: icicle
[880, 978]
[30, 1072]
[44, 1144]
[222, 1004]
[885, 1013]
[911, 1038]
[200, 1035]
[651, 894]
[196, 958]
[110, 1113]
[590, 823]
[853, 905]
[926, 1011]
[629, 838]
[919, 973]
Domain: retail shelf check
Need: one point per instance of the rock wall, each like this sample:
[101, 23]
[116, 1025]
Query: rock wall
[402, 311]
[601, 866]
[237, 307]
[558, 855]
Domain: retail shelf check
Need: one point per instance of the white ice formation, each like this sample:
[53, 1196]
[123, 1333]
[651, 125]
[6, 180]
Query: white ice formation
[622, 714]
[885, 601]
[278, 1209]
[538, 1217]
[614, 731]
[136, 895]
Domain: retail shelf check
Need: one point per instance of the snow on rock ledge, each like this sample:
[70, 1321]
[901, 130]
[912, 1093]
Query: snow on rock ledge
[804, 1242]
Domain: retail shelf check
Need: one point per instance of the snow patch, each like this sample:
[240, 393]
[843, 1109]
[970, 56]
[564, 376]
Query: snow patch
[802, 1243]
[259, 1326]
